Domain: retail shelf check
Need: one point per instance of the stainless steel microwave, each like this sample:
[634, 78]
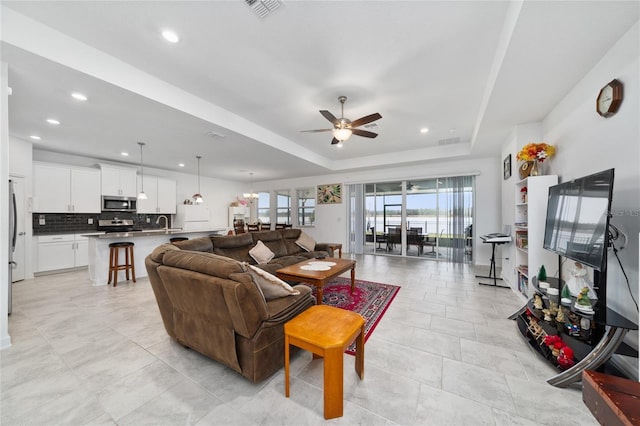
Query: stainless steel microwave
[118, 204]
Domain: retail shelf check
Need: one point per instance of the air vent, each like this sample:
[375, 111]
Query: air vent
[371, 126]
[213, 134]
[449, 141]
[263, 7]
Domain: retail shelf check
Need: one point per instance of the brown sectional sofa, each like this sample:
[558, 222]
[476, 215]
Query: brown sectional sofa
[209, 303]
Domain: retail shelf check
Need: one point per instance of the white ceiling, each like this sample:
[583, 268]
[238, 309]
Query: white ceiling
[469, 70]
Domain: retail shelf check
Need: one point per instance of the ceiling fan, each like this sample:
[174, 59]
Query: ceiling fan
[343, 128]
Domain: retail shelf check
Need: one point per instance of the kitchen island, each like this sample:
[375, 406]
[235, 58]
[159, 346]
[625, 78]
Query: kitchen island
[144, 243]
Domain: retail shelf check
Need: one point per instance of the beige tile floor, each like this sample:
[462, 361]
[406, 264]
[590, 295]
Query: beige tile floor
[444, 354]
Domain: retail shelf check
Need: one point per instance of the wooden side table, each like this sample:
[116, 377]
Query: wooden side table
[326, 331]
[334, 247]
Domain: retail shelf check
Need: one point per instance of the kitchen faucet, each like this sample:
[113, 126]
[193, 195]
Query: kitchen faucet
[166, 222]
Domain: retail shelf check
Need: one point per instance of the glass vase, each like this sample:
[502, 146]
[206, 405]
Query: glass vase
[536, 168]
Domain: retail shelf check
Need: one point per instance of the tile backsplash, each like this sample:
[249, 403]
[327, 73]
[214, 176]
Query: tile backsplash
[67, 223]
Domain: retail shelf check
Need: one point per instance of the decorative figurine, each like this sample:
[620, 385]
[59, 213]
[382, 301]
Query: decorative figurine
[580, 280]
[560, 316]
[537, 301]
[565, 357]
[583, 303]
[542, 278]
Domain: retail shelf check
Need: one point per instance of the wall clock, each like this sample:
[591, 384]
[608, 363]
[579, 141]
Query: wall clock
[609, 98]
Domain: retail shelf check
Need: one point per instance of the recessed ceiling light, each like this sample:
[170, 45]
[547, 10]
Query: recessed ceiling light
[339, 145]
[170, 36]
[181, 165]
[424, 130]
[452, 130]
[35, 137]
[124, 154]
[79, 96]
[53, 121]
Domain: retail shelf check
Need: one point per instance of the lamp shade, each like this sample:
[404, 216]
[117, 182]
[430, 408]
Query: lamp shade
[342, 134]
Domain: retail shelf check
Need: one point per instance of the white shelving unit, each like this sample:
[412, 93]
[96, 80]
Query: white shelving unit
[529, 226]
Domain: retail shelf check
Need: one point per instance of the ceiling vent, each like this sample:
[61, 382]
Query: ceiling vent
[371, 126]
[263, 7]
[213, 134]
[449, 141]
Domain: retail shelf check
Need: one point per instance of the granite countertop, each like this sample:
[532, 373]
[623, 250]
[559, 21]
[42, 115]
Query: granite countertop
[150, 233]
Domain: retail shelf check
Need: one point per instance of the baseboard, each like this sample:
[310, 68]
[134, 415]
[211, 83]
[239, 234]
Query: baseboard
[5, 342]
[627, 366]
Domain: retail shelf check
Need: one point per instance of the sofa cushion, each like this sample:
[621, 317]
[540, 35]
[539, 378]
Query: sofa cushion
[234, 246]
[272, 287]
[158, 253]
[306, 241]
[196, 244]
[273, 240]
[206, 263]
[261, 253]
[290, 236]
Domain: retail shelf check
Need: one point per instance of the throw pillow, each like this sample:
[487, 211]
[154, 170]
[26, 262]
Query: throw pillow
[261, 253]
[272, 287]
[306, 242]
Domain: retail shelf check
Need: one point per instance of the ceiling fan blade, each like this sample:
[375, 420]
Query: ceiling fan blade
[364, 133]
[316, 130]
[326, 114]
[366, 120]
[334, 141]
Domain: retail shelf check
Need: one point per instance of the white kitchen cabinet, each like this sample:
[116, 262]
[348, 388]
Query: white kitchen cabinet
[161, 195]
[56, 252]
[85, 195]
[65, 189]
[82, 251]
[62, 252]
[118, 181]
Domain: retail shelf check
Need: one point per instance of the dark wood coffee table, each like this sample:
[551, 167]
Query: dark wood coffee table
[319, 278]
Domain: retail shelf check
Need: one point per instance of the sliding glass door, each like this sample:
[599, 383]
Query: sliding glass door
[427, 218]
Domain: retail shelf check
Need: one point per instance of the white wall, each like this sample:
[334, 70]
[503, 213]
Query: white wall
[520, 136]
[5, 339]
[331, 225]
[588, 143]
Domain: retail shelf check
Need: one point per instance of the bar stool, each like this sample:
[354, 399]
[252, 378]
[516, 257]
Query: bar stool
[175, 239]
[114, 266]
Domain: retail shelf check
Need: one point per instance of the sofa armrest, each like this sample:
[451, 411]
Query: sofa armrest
[324, 247]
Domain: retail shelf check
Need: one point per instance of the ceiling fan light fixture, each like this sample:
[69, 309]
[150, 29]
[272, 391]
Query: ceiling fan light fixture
[342, 134]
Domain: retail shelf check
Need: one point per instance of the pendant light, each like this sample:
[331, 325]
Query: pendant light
[141, 195]
[250, 196]
[197, 197]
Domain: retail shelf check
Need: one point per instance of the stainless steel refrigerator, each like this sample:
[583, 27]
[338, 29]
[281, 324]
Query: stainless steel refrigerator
[13, 233]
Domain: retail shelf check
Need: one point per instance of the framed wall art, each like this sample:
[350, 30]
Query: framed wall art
[506, 165]
[330, 194]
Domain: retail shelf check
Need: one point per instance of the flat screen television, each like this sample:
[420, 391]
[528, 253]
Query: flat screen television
[577, 222]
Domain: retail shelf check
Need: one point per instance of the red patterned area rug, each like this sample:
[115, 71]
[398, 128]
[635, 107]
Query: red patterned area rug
[369, 299]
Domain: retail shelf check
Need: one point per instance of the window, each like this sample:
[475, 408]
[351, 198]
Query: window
[283, 206]
[306, 206]
[264, 210]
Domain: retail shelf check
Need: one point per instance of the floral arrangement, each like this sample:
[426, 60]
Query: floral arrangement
[536, 151]
[239, 202]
